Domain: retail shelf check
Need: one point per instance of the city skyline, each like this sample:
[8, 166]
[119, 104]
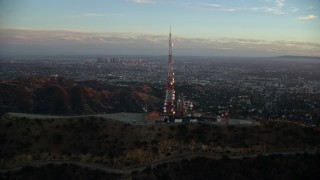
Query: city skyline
[140, 27]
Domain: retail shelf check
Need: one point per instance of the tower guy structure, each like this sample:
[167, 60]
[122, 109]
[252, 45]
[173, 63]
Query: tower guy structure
[169, 102]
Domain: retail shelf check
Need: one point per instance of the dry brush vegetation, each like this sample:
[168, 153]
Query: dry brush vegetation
[121, 145]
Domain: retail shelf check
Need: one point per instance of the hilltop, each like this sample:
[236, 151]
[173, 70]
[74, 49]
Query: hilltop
[56, 95]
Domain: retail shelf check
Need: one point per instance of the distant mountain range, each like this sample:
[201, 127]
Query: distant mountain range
[300, 57]
[57, 95]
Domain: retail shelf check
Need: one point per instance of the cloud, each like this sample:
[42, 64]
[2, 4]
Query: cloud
[206, 6]
[214, 5]
[280, 3]
[223, 48]
[143, 1]
[276, 9]
[56, 41]
[94, 14]
[299, 43]
[23, 36]
[294, 9]
[99, 14]
[308, 17]
[310, 7]
[228, 9]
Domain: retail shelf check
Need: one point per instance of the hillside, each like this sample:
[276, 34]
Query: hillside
[65, 96]
[300, 166]
[120, 145]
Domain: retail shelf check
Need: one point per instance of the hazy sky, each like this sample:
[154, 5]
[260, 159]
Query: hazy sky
[140, 27]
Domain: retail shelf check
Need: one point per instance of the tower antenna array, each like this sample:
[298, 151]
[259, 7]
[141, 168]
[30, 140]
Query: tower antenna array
[169, 103]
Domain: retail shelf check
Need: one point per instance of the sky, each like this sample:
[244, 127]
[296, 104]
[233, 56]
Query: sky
[140, 27]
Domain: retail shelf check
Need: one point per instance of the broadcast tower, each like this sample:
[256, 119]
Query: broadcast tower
[169, 102]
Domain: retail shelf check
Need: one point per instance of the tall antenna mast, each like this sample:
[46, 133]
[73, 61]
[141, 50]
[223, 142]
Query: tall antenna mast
[169, 102]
